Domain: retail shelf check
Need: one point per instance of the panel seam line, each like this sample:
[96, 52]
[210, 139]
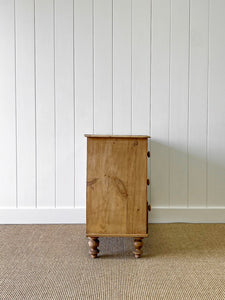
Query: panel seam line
[16, 112]
[54, 97]
[207, 106]
[35, 103]
[188, 106]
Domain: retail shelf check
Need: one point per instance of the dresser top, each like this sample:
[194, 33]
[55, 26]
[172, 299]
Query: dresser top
[117, 136]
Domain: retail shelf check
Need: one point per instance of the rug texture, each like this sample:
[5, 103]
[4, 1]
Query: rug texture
[180, 261]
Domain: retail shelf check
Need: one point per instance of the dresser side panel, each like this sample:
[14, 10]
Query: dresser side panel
[116, 186]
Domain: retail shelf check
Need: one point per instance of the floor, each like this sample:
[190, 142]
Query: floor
[180, 261]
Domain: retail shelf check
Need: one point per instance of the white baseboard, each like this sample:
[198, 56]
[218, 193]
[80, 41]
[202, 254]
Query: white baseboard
[187, 215]
[78, 215]
[43, 216]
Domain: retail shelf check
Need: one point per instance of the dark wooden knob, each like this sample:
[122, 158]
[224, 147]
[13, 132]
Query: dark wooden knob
[148, 181]
[148, 154]
[149, 207]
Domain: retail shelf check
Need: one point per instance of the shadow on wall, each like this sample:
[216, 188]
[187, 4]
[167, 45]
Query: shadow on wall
[182, 177]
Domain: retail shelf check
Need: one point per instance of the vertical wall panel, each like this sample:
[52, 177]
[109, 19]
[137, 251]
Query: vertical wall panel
[122, 67]
[64, 103]
[102, 66]
[179, 102]
[140, 66]
[25, 88]
[83, 11]
[198, 102]
[45, 106]
[140, 76]
[160, 102]
[7, 106]
[216, 105]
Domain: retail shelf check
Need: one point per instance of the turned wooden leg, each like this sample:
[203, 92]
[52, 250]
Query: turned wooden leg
[93, 244]
[138, 243]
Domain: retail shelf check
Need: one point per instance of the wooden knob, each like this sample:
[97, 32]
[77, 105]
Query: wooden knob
[148, 154]
[148, 181]
[149, 207]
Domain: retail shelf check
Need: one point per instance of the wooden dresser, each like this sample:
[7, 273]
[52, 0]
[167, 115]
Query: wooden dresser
[116, 202]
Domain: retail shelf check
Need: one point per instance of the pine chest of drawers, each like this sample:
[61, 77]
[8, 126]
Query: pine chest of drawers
[116, 199]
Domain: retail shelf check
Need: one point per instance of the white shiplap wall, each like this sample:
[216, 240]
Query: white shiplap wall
[111, 67]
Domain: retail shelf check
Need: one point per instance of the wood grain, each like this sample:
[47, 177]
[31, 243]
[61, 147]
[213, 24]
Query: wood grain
[138, 244]
[116, 187]
[117, 136]
[93, 244]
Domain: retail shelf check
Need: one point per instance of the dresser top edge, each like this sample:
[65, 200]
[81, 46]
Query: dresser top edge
[117, 136]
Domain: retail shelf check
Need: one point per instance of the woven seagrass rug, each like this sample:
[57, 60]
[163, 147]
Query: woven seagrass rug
[180, 261]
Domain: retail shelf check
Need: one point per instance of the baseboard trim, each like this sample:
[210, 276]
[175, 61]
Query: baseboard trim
[43, 216]
[78, 215]
[187, 215]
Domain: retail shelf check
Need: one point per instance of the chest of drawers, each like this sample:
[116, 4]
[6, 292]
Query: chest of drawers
[116, 199]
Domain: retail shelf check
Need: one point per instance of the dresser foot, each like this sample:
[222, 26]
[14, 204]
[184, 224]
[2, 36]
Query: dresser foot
[93, 244]
[138, 244]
